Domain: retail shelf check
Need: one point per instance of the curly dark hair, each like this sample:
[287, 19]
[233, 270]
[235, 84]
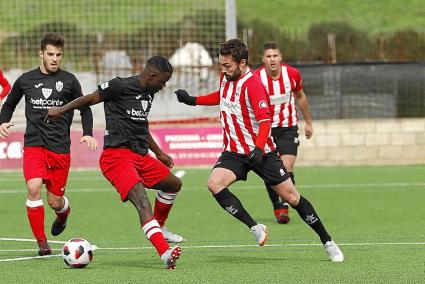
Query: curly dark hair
[236, 48]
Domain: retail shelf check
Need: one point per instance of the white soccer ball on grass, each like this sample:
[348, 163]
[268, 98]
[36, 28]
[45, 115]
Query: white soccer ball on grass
[77, 253]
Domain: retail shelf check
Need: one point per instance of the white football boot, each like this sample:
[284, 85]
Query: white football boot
[332, 249]
[170, 256]
[260, 233]
[171, 237]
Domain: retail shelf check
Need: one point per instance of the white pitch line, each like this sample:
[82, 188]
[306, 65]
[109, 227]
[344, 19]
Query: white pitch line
[29, 240]
[270, 245]
[234, 246]
[28, 258]
[241, 186]
[21, 250]
[205, 246]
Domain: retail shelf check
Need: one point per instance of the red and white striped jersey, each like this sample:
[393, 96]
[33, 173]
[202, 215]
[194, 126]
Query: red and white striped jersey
[281, 94]
[243, 105]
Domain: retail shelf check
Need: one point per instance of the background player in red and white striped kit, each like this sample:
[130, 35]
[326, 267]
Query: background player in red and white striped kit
[47, 145]
[284, 87]
[125, 161]
[5, 86]
[245, 118]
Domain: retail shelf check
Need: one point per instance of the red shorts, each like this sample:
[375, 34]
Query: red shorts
[124, 168]
[53, 168]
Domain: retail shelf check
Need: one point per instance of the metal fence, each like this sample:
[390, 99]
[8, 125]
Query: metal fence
[113, 37]
[109, 38]
[365, 90]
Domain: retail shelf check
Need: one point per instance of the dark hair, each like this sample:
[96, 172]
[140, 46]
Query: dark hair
[235, 47]
[271, 45]
[53, 39]
[160, 64]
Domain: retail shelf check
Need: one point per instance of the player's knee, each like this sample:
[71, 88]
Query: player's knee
[177, 185]
[55, 202]
[293, 199]
[214, 185]
[288, 192]
[34, 188]
[171, 185]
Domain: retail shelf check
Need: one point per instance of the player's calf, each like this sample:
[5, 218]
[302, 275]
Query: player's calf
[59, 224]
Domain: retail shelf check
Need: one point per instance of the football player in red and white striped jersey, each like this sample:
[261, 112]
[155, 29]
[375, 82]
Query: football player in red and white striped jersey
[245, 118]
[5, 85]
[284, 87]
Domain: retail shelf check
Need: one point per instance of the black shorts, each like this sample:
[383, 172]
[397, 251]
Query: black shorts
[272, 170]
[286, 139]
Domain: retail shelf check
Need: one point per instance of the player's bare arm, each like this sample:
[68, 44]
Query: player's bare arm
[4, 129]
[304, 107]
[87, 124]
[160, 155]
[88, 100]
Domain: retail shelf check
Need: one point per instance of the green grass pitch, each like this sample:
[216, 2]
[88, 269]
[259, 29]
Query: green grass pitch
[374, 213]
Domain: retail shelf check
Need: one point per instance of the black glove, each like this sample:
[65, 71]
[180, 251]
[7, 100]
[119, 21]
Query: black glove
[255, 157]
[185, 98]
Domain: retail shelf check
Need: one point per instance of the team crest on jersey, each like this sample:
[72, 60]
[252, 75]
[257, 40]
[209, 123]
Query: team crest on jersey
[46, 92]
[145, 105]
[59, 86]
[262, 104]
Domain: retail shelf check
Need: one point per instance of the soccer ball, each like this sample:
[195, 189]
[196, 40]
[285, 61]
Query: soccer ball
[77, 253]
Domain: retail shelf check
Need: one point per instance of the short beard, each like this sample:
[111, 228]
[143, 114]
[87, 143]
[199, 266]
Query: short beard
[235, 75]
[50, 71]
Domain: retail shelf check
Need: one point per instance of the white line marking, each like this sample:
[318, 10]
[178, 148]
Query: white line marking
[235, 246]
[202, 247]
[180, 174]
[28, 258]
[356, 185]
[241, 186]
[21, 250]
[73, 178]
[29, 240]
[270, 245]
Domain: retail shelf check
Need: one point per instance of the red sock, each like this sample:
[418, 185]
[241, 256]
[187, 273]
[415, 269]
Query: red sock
[163, 203]
[64, 212]
[35, 213]
[154, 234]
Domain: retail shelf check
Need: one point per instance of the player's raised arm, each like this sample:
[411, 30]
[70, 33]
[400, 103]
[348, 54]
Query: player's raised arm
[211, 99]
[79, 103]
